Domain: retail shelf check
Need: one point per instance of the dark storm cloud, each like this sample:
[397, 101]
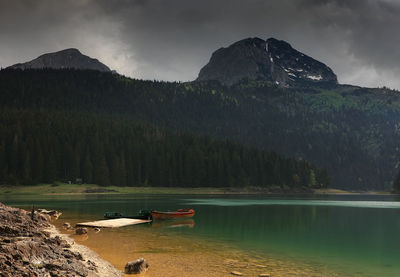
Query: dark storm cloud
[369, 27]
[173, 39]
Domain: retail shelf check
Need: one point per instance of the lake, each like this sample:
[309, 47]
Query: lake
[347, 235]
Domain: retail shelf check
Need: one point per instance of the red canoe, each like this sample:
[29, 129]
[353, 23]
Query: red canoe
[171, 215]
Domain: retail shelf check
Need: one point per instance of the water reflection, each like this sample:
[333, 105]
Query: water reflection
[175, 223]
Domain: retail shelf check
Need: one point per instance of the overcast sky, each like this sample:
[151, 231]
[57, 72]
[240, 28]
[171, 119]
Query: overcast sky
[173, 39]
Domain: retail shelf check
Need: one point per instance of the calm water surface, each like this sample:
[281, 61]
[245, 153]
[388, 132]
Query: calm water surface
[351, 235]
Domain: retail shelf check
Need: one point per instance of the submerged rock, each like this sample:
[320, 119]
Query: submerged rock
[136, 267]
[81, 231]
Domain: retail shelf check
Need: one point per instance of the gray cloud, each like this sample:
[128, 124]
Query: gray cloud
[172, 40]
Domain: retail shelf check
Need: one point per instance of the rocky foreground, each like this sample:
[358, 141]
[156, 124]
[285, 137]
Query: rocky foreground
[31, 246]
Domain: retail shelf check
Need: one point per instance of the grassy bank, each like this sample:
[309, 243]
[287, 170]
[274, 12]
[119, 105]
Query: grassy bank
[62, 188]
[344, 192]
[65, 189]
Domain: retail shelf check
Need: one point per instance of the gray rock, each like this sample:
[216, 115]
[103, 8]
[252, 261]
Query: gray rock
[52, 213]
[81, 231]
[26, 249]
[136, 267]
[67, 225]
[65, 59]
[271, 60]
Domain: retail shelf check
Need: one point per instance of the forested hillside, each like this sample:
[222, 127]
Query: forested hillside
[45, 146]
[352, 131]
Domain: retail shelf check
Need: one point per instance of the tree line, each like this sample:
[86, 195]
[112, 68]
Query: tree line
[46, 146]
[353, 132]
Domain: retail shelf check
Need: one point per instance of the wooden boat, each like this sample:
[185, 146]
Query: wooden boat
[182, 213]
[143, 214]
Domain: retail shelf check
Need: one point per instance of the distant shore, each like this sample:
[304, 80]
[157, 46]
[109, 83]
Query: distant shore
[344, 192]
[77, 189]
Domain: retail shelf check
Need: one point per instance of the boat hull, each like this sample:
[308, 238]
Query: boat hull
[173, 215]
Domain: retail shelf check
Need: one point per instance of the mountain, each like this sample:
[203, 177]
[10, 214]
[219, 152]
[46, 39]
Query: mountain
[68, 58]
[353, 132]
[271, 60]
[63, 125]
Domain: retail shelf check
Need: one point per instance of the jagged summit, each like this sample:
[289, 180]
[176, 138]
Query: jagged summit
[68, 58]
[271, 60]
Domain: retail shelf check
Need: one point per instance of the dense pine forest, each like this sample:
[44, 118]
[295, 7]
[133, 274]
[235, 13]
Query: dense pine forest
[351, 131]
[47, 146]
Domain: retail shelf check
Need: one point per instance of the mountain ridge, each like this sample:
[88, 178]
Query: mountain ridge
[353, 132]
[269, 60]
[70, 58]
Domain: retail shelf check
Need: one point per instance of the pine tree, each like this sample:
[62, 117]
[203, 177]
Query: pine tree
[47, 145]
[101, 171]
[87, 170]
[396, 183]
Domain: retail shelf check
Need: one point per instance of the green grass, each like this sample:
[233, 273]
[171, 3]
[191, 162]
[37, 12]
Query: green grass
[65, 189]
[62, 188]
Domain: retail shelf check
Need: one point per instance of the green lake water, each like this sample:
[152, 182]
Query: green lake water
[353, 235]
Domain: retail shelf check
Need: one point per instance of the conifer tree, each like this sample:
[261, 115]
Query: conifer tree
[396, 183]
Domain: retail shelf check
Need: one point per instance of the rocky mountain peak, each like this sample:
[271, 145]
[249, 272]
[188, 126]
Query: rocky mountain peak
[70, 51]
[67, 58]
[271, 60]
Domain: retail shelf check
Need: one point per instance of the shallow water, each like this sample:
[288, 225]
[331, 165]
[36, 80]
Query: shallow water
[300, 236]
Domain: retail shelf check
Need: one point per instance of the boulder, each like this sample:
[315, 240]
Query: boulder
[81, 231]
[53, 213]
[67, 225]
[44, 217]
[136, 267]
